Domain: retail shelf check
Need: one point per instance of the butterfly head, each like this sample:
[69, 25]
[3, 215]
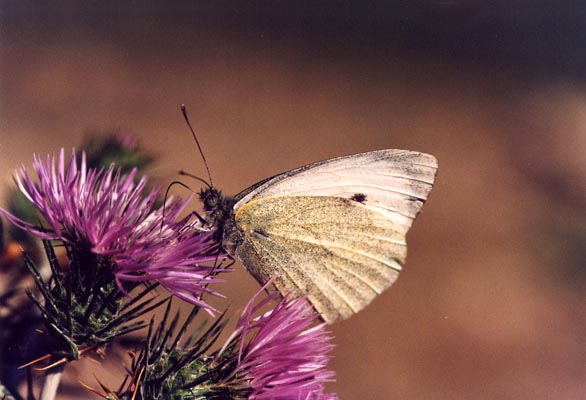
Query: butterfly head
[219, 210]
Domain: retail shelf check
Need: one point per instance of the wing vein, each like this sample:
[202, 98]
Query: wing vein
[329, 245]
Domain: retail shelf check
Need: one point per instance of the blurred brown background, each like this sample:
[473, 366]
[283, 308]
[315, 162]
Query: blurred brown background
[492, 303]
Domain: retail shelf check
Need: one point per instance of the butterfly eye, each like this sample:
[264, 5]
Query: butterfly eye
[209, 198]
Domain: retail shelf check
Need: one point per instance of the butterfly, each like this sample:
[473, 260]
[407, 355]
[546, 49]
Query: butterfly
[333, 230]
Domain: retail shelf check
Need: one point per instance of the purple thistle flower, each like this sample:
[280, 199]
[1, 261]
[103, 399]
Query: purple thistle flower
[281, 355]
[108, 214]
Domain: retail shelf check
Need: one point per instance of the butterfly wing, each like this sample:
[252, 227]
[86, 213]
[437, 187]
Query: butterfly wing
[310, 227]
[339, 252]
[395, 182]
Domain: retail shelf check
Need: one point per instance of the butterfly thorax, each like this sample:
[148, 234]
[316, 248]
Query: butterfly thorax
[219, 211]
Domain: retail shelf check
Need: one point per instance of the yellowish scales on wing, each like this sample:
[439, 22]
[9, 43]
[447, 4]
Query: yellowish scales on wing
[339, 252]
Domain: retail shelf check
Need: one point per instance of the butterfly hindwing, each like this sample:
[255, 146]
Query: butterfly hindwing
[339, 252]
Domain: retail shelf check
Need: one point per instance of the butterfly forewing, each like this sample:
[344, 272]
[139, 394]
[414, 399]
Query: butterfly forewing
[396, 182]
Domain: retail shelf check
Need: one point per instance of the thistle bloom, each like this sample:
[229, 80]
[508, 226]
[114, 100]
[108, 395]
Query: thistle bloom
[109, 214]
[281, 355]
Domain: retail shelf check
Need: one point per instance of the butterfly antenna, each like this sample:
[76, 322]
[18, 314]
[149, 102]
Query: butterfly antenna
[184, 112]
[197, 178]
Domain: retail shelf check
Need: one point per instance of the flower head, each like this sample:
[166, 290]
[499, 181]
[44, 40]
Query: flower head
[281, 355]
[109, 214]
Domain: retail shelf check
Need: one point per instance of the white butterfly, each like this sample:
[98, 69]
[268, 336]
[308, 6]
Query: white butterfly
[334, 230]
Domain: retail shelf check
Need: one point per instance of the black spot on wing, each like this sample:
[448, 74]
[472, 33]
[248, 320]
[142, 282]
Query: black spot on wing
[359, 197]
